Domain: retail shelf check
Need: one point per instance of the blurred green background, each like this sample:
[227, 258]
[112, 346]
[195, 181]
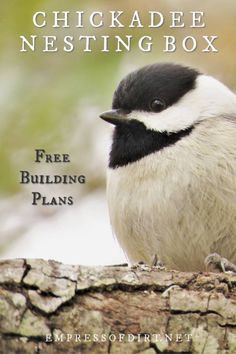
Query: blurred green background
[52, 100]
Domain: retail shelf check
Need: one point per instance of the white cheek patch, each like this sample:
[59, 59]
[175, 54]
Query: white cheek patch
[209, 98]
[171, 120]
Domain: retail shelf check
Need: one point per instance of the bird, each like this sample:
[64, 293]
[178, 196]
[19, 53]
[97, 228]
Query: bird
[171, 178]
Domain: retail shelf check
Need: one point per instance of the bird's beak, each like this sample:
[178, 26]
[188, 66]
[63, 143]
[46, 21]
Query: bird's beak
[115, 116]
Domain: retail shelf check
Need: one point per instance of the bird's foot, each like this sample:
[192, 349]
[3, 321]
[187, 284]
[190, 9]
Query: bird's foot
[155, 263]
[215, 263]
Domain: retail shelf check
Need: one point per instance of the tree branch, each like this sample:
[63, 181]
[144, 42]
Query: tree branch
[48, 307]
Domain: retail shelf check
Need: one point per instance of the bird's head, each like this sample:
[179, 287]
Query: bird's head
[155, 106]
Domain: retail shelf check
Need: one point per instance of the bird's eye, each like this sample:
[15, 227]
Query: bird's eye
[157, 105]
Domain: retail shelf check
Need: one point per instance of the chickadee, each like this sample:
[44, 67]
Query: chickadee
[172, 170]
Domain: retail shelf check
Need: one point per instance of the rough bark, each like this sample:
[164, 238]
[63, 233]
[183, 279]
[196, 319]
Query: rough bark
[45, 306]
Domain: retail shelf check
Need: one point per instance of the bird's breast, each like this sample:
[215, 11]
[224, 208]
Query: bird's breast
[143, 198]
